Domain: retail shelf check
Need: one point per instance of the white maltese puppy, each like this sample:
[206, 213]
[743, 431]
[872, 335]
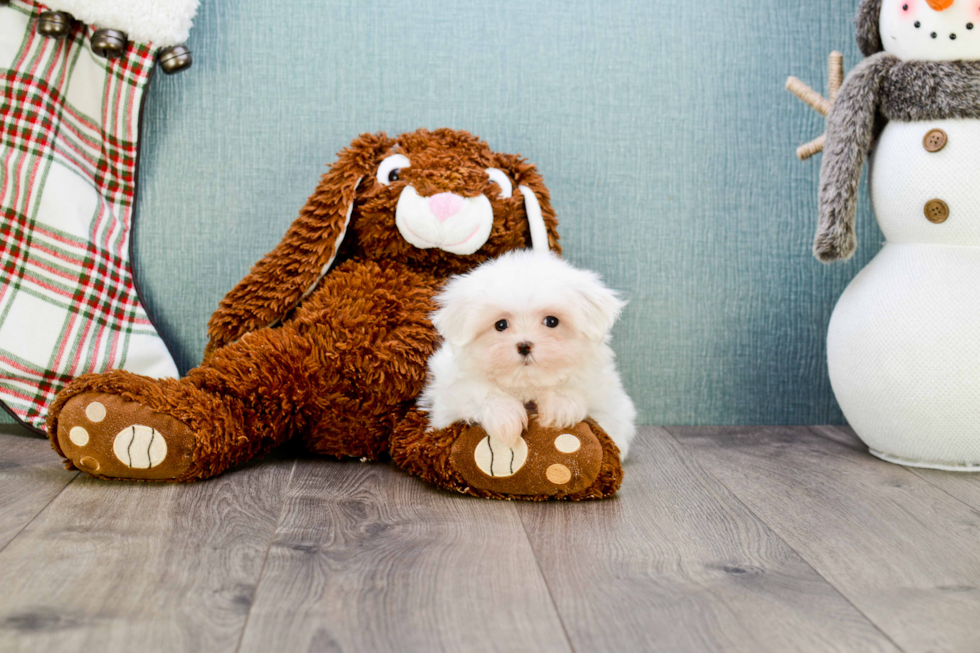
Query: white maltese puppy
[527, 327]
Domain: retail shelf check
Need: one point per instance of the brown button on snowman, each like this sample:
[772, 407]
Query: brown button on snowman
[903, 343]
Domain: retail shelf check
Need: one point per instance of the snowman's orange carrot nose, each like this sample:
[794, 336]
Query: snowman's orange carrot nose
[940, 5]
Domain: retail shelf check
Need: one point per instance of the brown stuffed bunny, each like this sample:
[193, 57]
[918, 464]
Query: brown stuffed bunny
[328, 336]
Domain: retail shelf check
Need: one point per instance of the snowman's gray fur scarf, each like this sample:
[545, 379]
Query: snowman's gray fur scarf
[868, 33]
[881, 88]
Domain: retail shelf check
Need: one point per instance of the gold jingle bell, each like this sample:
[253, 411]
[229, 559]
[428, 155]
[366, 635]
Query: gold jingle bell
[54, 24]
[175, 59]
[109, 43]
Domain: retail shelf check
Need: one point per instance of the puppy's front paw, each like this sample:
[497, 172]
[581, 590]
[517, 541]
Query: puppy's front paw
[504, 421]
[561, 410]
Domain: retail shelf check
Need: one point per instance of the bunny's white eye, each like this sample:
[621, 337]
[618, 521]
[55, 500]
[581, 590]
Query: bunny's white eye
[390, 168]
[498, 177]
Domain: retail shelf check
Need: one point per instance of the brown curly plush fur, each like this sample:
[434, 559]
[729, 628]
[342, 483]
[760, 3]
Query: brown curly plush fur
[338, 362]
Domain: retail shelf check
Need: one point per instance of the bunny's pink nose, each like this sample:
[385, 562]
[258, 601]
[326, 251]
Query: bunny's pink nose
[445, 205]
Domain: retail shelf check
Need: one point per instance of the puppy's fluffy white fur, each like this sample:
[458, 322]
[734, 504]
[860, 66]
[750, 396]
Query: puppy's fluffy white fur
[560, 317]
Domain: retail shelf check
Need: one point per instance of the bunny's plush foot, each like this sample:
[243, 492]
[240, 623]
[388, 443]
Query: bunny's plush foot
[548, 463]
[121, 426]
[109, 437]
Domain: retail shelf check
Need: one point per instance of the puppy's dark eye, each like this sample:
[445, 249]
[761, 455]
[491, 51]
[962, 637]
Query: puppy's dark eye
[501, 325]
[551, 321]
[394, 175]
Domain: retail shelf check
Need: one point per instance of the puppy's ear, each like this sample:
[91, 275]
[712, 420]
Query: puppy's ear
[543, 231]
[600, 307]
[457, 319]
[280, 280]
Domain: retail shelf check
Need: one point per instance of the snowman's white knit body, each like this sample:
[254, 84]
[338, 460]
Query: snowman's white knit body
[904, 340]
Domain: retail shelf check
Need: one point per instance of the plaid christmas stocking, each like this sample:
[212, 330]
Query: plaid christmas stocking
[69, 149]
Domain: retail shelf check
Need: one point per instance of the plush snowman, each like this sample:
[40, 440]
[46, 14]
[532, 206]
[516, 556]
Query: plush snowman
[904, 340]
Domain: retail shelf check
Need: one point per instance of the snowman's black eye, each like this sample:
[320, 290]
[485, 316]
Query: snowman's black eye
[394, 174]
[501, 325]
[551, 321]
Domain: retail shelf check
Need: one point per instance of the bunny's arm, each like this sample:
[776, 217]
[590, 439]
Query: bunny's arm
[850, 130]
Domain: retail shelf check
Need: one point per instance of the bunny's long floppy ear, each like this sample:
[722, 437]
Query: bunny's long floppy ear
[537, 202]
[286, 274]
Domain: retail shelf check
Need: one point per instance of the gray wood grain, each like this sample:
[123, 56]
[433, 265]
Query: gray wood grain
[900, 549]
[731, 539]
[963, 486]
[367, 558]
[114, 566]
[841, 434]
[31, 476]
[676, 563]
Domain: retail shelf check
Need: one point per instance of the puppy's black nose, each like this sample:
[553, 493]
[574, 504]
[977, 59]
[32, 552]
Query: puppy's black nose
[524, 348]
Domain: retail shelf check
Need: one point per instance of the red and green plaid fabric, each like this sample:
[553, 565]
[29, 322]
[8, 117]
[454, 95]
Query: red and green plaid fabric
[69, 126]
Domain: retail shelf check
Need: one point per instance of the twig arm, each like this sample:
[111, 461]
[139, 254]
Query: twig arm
[812, 148]
[836, 76]
[808, 95]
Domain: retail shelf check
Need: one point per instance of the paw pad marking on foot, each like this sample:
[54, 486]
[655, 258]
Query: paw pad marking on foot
[567, 443]
[558, 474]
[95, 412]
[78, 436]
[499, 461]
[89, 464]
[140, 447]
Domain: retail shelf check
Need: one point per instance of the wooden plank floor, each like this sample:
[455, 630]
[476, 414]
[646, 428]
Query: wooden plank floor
[722, 539]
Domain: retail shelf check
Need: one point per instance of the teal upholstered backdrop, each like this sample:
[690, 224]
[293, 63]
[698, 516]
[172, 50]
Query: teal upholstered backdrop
[661, 128]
